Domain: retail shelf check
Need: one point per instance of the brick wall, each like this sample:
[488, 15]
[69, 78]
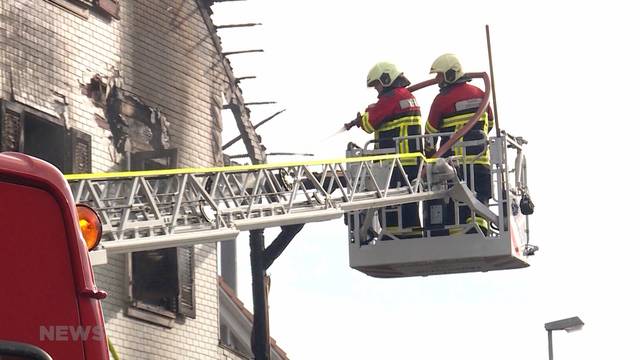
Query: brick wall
[167, 59]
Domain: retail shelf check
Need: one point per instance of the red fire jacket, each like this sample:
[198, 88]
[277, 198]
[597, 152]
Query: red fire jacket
[396, 114]
[450, 111]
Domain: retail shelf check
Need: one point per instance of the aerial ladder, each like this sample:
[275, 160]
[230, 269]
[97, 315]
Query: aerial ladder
[154, 209]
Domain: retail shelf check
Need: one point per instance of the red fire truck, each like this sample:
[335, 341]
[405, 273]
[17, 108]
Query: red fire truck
[49, 306]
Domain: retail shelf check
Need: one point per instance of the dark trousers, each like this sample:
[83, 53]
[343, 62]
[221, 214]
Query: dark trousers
[410, 212]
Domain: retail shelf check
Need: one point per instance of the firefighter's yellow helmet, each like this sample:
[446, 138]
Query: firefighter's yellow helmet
[449, 66]
[384, 72]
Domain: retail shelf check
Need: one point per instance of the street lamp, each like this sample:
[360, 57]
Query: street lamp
[568, 325]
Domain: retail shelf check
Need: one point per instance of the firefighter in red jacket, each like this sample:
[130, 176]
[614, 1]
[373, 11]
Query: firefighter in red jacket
[451, 109]
[395, 114]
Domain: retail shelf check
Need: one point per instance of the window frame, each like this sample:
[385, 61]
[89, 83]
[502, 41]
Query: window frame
[71, 137]
[138, 308]
[82, 8]
[76, 7]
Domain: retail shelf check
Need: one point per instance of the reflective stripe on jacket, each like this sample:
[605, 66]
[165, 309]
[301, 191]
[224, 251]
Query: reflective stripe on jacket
[396, 114]
[451, 110]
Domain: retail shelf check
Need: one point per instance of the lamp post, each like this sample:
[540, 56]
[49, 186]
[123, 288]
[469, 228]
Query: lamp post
[568, 325]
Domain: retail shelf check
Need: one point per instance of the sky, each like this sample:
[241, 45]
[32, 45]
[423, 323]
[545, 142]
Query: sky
[564, 76]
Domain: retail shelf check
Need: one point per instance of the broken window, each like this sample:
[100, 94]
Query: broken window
[162, 281]
[134, 124]
[29, 131]
[95, 90]
[154, 160]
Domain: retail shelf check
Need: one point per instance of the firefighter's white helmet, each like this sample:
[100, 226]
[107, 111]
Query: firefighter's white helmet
[384, 72]
[449, 66]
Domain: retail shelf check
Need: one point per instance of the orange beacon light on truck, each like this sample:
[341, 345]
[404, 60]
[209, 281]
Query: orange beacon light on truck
[90, 226]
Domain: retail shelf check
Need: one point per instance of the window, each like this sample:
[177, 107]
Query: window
[78, 7]
[41, 135]
[81, 8]
[161, 281]
[109, 7]
[154, 160]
